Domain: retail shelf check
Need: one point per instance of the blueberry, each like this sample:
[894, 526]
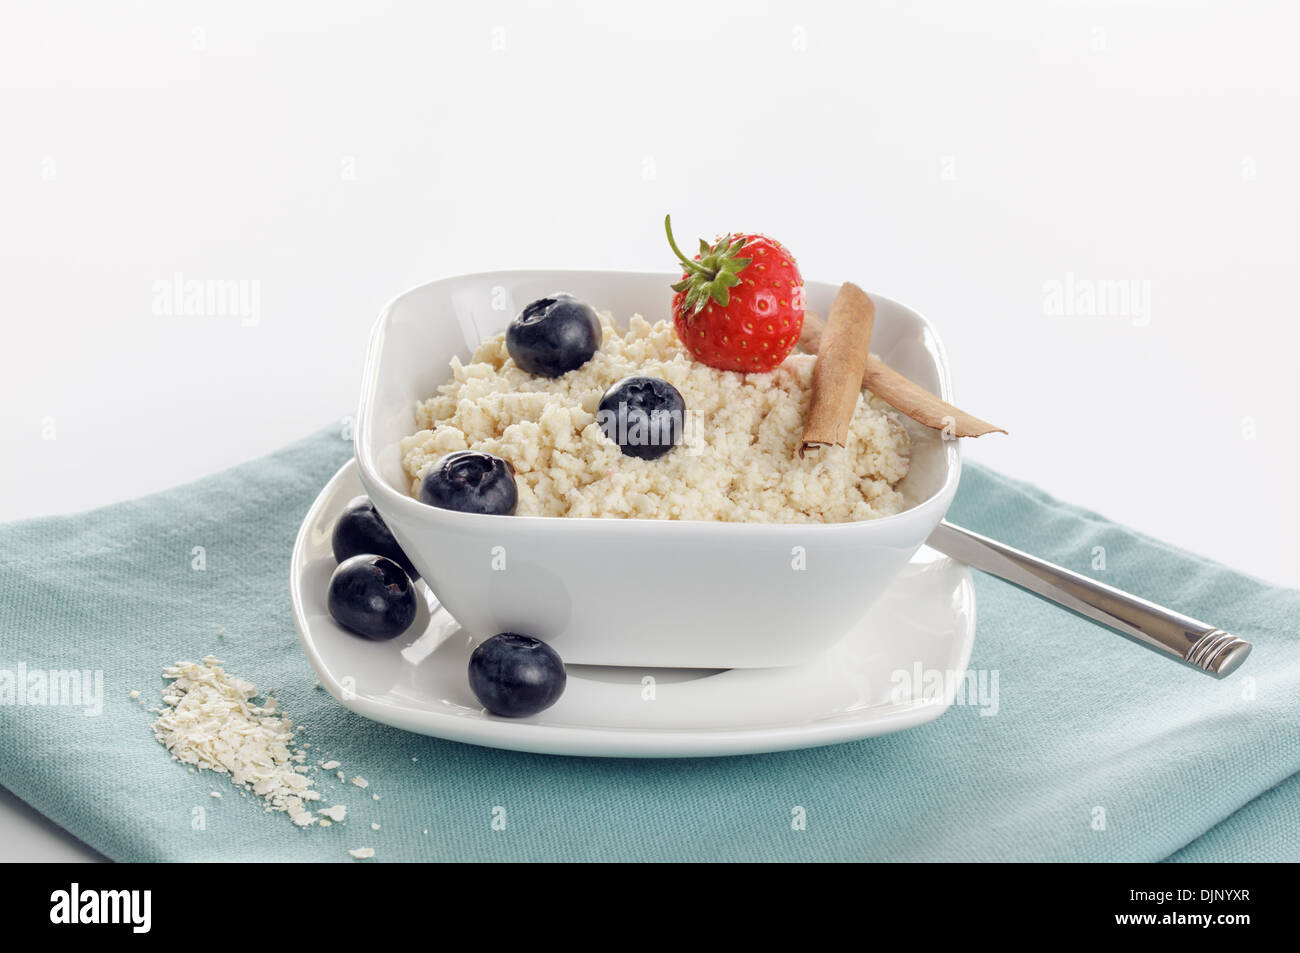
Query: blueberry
[643, 415]
[515, 675]
[362, 530]
[371, 596]
[553, 335]
[471, 481]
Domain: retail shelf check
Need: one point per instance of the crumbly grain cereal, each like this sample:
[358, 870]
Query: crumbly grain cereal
[741, 466]
[208, 720]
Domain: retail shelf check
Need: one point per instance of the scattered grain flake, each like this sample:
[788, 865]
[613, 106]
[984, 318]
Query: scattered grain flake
[215, 794]
[134, 693]
[336, 813]
[362, 853]
[326, 822]
[209, 722]
[374, 826]
[360, 782]
[329, 765]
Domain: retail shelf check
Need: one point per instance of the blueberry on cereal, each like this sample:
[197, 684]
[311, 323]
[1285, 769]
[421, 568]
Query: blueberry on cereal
[471, 481]
[643, 415]
[553, 335]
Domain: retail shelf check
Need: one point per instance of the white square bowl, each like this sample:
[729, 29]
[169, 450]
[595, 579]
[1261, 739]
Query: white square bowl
[658, 593]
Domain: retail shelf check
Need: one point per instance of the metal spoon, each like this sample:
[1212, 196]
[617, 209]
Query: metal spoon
[1204, 647]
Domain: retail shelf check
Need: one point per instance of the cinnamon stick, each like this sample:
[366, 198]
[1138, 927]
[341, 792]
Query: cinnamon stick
[842, 354]
[904, 395]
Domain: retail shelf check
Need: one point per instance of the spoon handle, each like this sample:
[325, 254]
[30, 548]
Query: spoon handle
[1205, 647]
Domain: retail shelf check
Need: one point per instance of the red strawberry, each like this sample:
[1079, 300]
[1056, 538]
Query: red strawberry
[738, 314]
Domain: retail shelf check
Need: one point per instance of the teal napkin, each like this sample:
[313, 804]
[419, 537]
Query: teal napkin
[1099, 750]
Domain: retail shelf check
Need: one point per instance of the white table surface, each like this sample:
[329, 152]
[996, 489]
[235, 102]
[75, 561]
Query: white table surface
[968, 163]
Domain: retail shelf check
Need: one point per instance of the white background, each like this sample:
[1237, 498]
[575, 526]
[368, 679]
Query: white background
[958, 157]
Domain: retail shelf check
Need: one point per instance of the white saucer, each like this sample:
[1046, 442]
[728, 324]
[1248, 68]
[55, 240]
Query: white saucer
[924, 623]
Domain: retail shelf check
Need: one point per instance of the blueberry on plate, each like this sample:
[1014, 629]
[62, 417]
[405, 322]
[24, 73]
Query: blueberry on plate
[471, 481]
[362, 530]
[643, 415]
[371, 596]
[516, 676]
[553, 335]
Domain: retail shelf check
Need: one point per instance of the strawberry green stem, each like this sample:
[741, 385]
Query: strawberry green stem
[692, 267]
[713, 275]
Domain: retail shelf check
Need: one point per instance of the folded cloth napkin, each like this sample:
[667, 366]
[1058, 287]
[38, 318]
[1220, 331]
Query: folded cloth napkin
[1099, 750]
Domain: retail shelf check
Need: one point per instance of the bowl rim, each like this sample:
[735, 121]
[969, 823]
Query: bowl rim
[403, 503]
